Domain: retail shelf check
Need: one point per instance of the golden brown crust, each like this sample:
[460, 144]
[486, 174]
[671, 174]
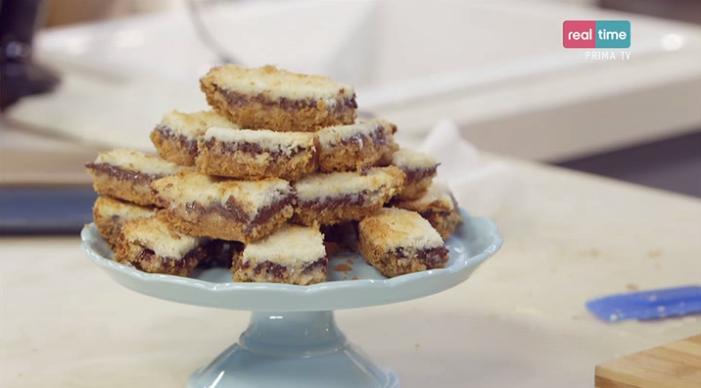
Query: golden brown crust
[214, 160]
[109, 215]
[248, 273]
[107, 226]
[331, 211]
[356, 147]
[398, 241]
[235, 210]
[332, 215]
[138, 192]
[134, 255]
[389, 263]
[353, 156]
[415, 189]
[214, 225]
[256, 115]
[439, 207]
[445, 222]
[172, 149]
[144, 258]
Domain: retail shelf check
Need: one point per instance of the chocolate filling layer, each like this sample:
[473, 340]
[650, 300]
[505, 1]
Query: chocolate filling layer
[323, 262]
[419, 173]
[189, 145]
[431, 213]
[250, 148]
[188, 261]
[233, 211]
[352, 199]
[431, 257]
[267, 212]
[122, 174]
[239, 99]
[279, 271]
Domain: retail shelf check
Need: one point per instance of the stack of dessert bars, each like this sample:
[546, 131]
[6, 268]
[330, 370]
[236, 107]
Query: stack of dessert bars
[277, 173]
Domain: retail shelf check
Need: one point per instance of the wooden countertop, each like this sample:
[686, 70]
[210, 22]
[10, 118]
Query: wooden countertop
[519, 321]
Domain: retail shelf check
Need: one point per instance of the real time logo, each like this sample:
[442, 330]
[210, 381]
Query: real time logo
[598, 34]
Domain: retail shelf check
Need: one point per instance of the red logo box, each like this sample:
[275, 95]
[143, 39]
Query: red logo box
[579, 34]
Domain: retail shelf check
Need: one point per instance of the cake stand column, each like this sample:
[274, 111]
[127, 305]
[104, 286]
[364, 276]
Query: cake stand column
[292, 349]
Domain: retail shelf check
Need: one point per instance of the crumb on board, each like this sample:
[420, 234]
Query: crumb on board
[632, 287]
[332, 248]
[343, 267]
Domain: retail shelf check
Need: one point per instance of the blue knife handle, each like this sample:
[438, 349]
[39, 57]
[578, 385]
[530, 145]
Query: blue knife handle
[646, 305]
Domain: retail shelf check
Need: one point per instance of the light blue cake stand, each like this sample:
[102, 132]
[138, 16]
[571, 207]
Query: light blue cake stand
[292, 339]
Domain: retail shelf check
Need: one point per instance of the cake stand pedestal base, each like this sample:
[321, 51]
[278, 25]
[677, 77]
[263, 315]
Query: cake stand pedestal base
[292, 349]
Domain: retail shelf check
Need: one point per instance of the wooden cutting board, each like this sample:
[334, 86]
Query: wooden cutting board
[674, 365]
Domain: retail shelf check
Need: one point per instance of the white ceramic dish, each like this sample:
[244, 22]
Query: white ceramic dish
[292, 340]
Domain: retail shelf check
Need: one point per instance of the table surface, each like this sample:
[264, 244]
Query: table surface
[519, 321]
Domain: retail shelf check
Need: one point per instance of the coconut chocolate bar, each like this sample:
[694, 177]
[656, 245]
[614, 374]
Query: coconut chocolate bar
[293, 254]
[175, 137]
[151, 245]
[325, 199]
[419, 168]
[397, 241]
[205, 206]
[256, 154]
[110, 214]
[268, 97]
[127, 175]
[438, 206]
[355, 146]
